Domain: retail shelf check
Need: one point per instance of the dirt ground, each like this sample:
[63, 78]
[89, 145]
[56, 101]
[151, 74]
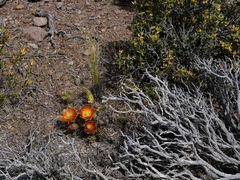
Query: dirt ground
[63, 68]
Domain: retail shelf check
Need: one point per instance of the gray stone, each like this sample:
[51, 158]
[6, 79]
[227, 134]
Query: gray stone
[70, 63]
[59, 5]
[39, 21]
[77, 81]
[32, 45]
[35, 33]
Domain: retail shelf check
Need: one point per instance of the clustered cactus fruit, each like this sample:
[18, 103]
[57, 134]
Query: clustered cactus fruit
[86, 113]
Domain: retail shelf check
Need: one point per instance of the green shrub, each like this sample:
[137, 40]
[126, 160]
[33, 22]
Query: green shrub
[12, 81]
[167, 33]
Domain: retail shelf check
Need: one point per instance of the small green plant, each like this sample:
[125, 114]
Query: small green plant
[2, 98]
[89, 95]
[93, 52]
[92, 139]
[67, 97]
[13, 80]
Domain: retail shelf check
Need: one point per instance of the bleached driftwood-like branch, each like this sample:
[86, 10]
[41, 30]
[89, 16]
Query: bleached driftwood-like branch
[182, 137]
[227, 72]
[51, 157]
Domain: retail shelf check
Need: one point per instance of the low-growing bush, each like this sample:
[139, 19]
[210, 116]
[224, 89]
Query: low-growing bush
[14, 73]
[166, 34]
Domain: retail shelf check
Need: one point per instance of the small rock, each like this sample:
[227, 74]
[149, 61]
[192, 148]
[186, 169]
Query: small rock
[39, 21]
[32, 45]
[59, 5]
[61, 52]
[103, 30]
[116, 2]
[77, 24]
[77, 81]
[74, 7]
[86, 53]
[117, 11]
[70, 63]
[42, 3]
[20, 6]
[35, 33]
[87, 3]
[26, 21]
[69, 8]
[58, 75]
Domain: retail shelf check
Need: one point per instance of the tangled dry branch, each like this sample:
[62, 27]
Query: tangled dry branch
[54, 156]
[183, 136]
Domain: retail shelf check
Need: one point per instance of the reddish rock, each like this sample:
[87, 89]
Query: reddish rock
[35, 33]
[20, 6]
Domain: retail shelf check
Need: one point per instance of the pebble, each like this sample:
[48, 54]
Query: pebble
[69, 8]
[35, 33]
[42, 3]
[40, 21]
[32, 45]
[86, 53]
[20, 6]
[61, 52]
[77, 81]
[59, 5]
[70, 63]
[26, 21]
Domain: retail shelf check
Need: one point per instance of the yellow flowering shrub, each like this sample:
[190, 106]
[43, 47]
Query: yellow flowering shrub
[167, 33]
[12, 81]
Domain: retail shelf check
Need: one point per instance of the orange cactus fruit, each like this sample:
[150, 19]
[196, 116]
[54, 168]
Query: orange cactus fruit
[90, 127]
[86, 112]
[68, 115]
[73, 126]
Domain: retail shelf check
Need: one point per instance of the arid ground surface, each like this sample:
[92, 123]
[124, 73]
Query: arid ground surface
[63, 68]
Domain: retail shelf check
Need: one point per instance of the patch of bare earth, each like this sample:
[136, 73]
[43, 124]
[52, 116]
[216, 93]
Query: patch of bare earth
[62, 68]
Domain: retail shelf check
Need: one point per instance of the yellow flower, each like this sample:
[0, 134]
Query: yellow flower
[234, 28]
[23, 51]
[28, 81]
[218, 7]
[194, 20]
[120, 52]
[222, 44]
[32, 62]
[205, 1]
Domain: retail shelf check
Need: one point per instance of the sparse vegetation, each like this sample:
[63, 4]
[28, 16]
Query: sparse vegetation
[14, 72]
[173, 111]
